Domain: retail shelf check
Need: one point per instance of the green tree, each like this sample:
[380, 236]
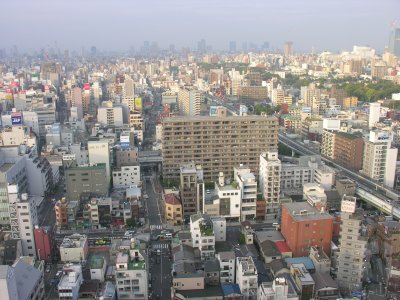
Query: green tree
[131, 223]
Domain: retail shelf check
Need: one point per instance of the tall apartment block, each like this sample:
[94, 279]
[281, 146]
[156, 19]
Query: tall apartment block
[218, 144]
[353, 246]
[248, 190]
[269, 179]
[191, 189]
[380, 157]
[189, 101]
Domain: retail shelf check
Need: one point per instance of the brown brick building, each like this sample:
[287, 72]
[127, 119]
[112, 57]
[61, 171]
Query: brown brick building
[348, 150]
[304, 226]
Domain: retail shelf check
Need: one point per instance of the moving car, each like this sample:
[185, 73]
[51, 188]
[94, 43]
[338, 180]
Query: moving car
[101, 242]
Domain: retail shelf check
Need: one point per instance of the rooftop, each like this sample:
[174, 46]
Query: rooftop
[98, 166]
[303, 211]
[96, 262]
[172, 199]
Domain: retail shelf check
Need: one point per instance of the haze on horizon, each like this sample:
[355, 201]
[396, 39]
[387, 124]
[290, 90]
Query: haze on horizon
[119, 24]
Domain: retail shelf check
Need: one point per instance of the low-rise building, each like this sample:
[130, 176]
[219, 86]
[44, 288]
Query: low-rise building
[227, 260]
[126, 176]
[203, 236]
[74, 248]
[246, 276]
[70, 282]
[97, 265]
[173, 209]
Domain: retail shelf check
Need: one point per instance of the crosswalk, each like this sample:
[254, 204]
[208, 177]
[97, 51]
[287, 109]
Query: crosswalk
[160, 246]
[155, 227]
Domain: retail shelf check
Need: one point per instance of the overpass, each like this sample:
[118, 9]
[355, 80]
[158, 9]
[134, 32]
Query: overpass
[367, 189]
[150, 157]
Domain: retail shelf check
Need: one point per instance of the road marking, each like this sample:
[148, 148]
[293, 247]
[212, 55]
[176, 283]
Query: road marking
[160, 246]
[155, 227]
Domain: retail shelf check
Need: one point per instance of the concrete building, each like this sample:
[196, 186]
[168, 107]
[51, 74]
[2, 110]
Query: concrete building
[126, 176]
[348, 150]
[248, 192]
[315, 195]
[252, 93]
[227, 261]
[126, 156]
[110, 115]
[99, 153]
[61, 212]
[201, 137]
[304, 226]
[246, 276]
[380, 157]
[173, 209]
[374, 114]
[269, 178]
[203, 236]
[189, 101]
[74, 248]
[328, 143]
[86, 179]
[44, 243]
[21, 281]
[70, 282]
[169, 97]
[321, 261]
[191, 187]
[278, 289]
[352, 261]
[97, 265]
[131, 274]
[311, 97]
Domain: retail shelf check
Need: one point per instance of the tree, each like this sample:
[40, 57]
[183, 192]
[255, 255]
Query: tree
[131, 222]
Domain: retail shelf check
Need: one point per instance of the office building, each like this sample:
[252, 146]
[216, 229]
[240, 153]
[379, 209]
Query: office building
[126, 176]
[304, 226]
[394, 41]
[189, 101]
[21, 281]
[252, 93]
[70, 282]
[374, 114]
[109, 115]
[379, 158]
[269, 179]
[351, 262]
[199, 139]
[99, 153]
[350, 102]
[131, 274]
[86, 179]
[288, 49]
[191, 186]
[74, 248]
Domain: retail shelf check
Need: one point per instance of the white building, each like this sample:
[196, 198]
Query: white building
[99, 153]
[131, 274]
[229, 197]
[109, 115]
[98, 266]
[126, 176]
[374, 114]
[81, 154]
[315, 195]
[246, 276]
[269, 179]
[276, 290]
[70, 282]
[203, 236]
[227, 260]
[248, 192]
[379, 161]
[74, 248]
[219, 227]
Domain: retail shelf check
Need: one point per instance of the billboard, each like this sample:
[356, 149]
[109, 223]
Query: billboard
[213, 111]
[306, 109]
[86, 86]
[348, 204]
[124, 139]
[138, 103]
[16, 118]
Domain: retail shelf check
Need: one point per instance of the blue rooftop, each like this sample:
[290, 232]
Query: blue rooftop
[230, 288]
[301, 260]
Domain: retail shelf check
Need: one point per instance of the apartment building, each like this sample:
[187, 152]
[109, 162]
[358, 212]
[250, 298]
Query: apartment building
[191, 188]
[248, 192]
[189, 101]
[99, 153]
[203, 236]
[126, 176]
[173, 209]
[269, 180]
[70, 282]
[352, 261]
[110, 115]
[328, 143]
[252, 93]
[348, 150]
[227, 263]
[131, 274]
[218, 144]
[246, 276]
[379, 157]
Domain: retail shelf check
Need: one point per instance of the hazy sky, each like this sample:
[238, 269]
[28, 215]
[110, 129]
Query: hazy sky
[118, 24]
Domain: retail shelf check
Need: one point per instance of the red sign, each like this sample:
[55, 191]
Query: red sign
[46, 88]
[9, 91]
[23, 92]
[86, 86]
[14, 84]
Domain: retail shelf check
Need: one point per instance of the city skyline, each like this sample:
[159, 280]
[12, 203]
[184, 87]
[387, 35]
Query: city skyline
[310, 24]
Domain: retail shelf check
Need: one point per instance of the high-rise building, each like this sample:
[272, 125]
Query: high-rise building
[348, 149]
[189, 101]
[311, 97]
[110, 115]
[374, 114]
[394, 42]
[191, 189]
[269, 179]
[248, 191]
[232, 46]
[202, 46]
[380, 157]
[288, 48]
[353, 246]
[218, 144]
[99, 153]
